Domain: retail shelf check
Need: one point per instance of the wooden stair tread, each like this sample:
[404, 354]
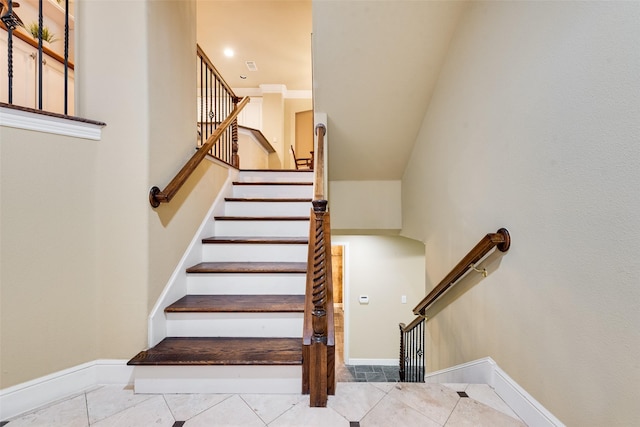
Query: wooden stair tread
[261, 218]
[257, 240]
[249, 267]
[276, 170]
[267, 199]
[222, 351]
[271, 183]
[238, 304]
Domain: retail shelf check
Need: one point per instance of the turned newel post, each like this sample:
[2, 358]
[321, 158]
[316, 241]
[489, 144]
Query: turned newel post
[319, 295]
[235, 158]
[318, 354]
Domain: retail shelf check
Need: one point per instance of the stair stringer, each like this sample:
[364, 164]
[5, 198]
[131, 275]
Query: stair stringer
[176, 286]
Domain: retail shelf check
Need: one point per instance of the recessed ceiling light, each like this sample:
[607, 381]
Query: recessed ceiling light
[243, 77]
[228, 52]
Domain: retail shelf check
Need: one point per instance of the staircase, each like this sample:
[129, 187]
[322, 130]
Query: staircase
[238, 329]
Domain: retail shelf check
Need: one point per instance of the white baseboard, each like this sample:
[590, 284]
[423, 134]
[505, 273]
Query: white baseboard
[42, 391]
[487, 371]
[378, 362]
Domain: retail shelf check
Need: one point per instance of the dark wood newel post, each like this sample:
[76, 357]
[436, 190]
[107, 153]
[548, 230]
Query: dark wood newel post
[318, 353]
[319, 297]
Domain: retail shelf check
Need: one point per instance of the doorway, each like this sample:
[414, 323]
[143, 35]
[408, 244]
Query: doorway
[337, 275]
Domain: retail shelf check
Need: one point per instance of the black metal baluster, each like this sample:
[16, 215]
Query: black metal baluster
[201, 124]
[40, 54]
[66, 57]
[10, 27]
[413, 349]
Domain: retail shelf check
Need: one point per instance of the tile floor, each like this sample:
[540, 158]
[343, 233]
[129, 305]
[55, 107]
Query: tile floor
[354, 404]
[366, 396]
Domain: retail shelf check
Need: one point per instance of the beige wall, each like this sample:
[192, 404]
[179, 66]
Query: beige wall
[291, 107]
[365, 205]
[273, 127]
[252, 154]
[533, 126]
[84, 256]
[48, 254]
[384, 268]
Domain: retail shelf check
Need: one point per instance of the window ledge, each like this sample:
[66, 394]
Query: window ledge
[42, 121]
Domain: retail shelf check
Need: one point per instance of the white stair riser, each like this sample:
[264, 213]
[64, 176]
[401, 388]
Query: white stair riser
[267, 208]
[275, 176]
[262, 228]
[230, 252]
[218, 379]
[246, 284]
[287, 325]
[273, 191]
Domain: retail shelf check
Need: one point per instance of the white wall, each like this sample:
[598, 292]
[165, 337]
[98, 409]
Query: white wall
[384, 268]
[534, 126]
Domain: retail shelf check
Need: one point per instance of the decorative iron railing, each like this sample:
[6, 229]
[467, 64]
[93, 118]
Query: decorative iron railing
[39, 67]
[412, 337]
[216, 101]
[412, 351]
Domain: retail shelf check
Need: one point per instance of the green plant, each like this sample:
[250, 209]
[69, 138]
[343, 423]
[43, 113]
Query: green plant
[47, 35]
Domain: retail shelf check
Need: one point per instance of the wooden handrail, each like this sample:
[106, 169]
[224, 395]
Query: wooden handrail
[500, 239]
[318, 167]
[157, 196]
[410, 326]
[215, 71]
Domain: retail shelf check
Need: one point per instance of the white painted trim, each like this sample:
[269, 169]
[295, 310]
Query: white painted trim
[27, 120]
[60, 385]
[282, 89]
[475, 372]
[523, 404]
[377, 362]
[176, 286]
[273, 88]
[487, 371]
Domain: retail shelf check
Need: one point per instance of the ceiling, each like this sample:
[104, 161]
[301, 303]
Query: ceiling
[376, 67]
[275, 34]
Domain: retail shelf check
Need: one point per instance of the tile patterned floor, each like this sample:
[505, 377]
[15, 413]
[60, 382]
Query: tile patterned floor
[366, 396]
[355, 404]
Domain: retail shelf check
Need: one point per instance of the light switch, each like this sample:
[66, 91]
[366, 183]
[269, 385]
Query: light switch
[364, 299]
[404, 299]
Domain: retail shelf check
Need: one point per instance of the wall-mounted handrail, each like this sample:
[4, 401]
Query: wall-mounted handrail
[499, 239]
[318, 370]
[412, 342]
[157, 196]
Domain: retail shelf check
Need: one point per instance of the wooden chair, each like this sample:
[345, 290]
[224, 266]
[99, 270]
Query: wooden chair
[302, 163]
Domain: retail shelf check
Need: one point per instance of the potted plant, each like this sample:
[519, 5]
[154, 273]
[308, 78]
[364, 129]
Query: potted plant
[47, 35]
